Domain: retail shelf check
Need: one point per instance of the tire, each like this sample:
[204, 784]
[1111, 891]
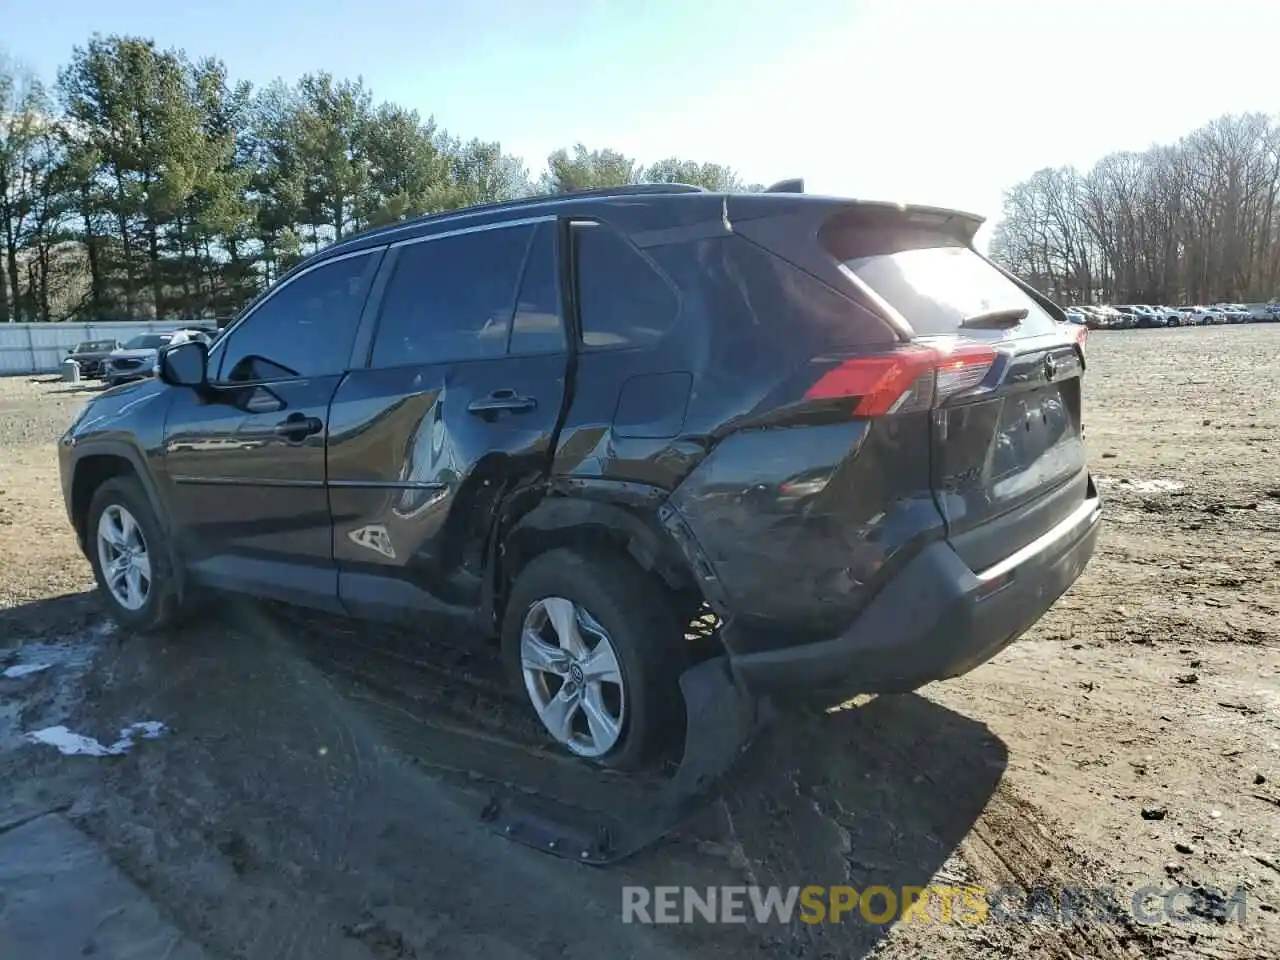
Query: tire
[120, 497]
[638, 619]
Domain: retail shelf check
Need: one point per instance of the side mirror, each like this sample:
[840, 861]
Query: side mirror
[185, 365]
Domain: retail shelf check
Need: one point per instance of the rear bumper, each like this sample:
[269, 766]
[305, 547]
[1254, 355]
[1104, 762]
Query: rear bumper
[936, 619]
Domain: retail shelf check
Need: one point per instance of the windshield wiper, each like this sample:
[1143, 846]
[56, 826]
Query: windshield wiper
[995, 319]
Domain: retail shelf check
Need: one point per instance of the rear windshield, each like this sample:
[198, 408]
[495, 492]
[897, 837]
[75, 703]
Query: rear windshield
[937, 285]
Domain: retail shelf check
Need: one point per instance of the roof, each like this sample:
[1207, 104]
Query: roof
[704, 206]
[494, 210]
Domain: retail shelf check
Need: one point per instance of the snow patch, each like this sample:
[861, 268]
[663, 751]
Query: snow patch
[77, 744]
[102, 630]
[25, 670]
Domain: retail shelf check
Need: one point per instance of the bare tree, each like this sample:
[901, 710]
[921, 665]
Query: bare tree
[1193, 221]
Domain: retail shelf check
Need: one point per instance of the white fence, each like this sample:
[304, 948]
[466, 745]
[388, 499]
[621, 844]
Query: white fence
[41, 347]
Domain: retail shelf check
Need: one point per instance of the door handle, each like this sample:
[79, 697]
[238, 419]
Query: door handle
[502, 400]
[296, 426]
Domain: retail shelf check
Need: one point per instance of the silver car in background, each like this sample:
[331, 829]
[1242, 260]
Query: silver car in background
[137, 358]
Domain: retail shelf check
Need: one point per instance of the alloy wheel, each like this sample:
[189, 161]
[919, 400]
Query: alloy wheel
[572, 676]
[123, 557]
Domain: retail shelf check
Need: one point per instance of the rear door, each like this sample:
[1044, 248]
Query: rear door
[1008, 459]
[457, 404]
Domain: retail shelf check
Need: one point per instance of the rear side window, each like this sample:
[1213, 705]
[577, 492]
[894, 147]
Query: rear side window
[451, 299]
[934, 281]
[622, 299]
[537, 326]
[304, 330]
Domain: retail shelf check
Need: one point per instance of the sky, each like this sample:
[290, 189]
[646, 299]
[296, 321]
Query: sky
[922, 101]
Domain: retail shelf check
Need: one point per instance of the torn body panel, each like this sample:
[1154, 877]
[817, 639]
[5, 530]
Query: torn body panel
[415, 473]
[802, 525]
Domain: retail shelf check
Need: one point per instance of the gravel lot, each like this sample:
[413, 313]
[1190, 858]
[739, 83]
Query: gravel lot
[312, 796]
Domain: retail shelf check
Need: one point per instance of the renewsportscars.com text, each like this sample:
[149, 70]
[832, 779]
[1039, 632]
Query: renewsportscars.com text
[971, 905]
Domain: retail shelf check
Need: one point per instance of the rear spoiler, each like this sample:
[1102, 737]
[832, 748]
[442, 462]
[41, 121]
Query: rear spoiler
[958, 224]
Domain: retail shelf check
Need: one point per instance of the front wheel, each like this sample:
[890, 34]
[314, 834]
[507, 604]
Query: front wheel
[594, 643]
[129, 554]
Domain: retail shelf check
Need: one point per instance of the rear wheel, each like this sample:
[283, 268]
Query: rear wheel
[594, 644]
[130, 556]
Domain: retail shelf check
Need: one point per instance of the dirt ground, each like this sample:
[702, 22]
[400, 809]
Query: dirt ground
[311, 796]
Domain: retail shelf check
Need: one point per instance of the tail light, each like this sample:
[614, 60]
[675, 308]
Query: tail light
[908, 379]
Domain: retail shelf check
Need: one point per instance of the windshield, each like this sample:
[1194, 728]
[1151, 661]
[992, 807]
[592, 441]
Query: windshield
[95, 346]
[148, 341]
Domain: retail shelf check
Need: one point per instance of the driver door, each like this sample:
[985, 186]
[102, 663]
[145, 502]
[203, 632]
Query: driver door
[246, 464]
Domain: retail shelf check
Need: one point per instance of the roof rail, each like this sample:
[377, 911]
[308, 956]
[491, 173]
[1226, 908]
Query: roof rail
[626, 189]
[618, 191]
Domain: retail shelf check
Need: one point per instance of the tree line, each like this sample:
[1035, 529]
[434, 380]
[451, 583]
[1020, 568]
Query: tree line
[146, 183]
[1188, 223]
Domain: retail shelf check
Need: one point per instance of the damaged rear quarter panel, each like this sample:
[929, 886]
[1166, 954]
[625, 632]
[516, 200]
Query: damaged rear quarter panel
[803, 524]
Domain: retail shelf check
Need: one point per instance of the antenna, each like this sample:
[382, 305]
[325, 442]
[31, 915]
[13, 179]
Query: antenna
[787, 186]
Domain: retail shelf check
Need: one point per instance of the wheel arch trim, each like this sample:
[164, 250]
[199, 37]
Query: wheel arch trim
[625, 512]
[137, 460]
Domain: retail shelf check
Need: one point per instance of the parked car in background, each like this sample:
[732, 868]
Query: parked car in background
[1076, 315]
[1108, 317]
[1113, 319]
[1156, 314]
[1099, 318]
[1234, 312]
[1172, 317]
[1198, 316]
[137, 358]
[90, 354]
[1095, 319]
[1142, 315]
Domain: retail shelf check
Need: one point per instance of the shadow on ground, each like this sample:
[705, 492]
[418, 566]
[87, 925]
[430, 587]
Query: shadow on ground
[301, 807]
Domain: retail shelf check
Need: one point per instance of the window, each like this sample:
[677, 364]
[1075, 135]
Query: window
[537, 327]
[623, 300]
[148, 341]
[451, 299]
[937, 287]
[304, 330]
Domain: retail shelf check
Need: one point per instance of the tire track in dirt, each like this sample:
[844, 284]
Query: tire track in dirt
[1014, 844]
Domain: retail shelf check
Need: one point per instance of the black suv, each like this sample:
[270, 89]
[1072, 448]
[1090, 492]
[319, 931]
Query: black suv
[575, 420]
